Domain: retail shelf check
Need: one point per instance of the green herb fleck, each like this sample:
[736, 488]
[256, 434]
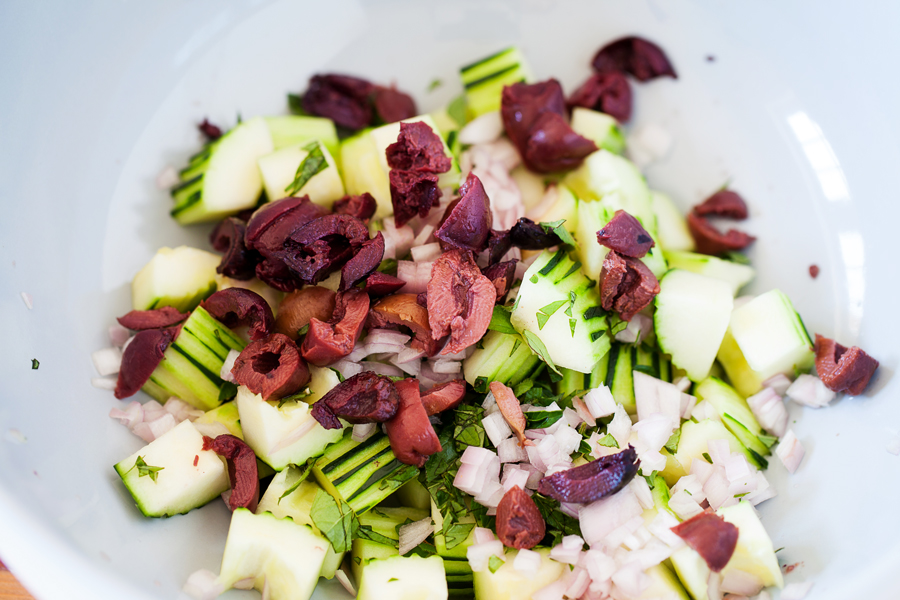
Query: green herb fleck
[572, 323]
[500, 320]
[558, 523]
[145, 470]
[303, 330]
[672, 444]
[608, 441]
[302, 475]
[388, 266]
[435, 84]
[312, 165]
[336, 521]
[768, 440]
[736, 257]
[522, 387]
[227, 391]
[561, 232]
[393, 579]
[542, 419]
[456, 533]
[780, 549]
[533, 278]
[305, 393]
[707, 458]
[468, 428]
[547, 311]
[35, 364]
[495, 563]
[541, 350]
[365, 532]
[295, 104]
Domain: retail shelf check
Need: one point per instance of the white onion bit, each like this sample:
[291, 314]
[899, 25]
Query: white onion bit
[28, 300]
[203, 585]
[790, 451]
[107, 361]
[225, 371]
[363, 431]
[104, 383]
[810, 391]
[527, 561]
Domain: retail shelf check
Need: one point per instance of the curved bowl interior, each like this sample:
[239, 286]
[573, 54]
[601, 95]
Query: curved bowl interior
[765, 100]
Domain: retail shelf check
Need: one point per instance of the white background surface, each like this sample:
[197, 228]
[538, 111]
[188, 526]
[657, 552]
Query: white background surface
[798, 110]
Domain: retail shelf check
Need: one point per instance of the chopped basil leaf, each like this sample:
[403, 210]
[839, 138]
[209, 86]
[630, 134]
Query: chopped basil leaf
[523, 387]
[768, 440]
[572, 324]
[35, 364]
[336, 521]
[672, 444]
[295, 104]
[541, 350]
[558, 523]
[561, 232]
[145, 470]
[494, 563]
[707, 458]
[469, 431]
[608, 441]
[302, 475]
[303, 330]
[388, 266]
[435, 84]
[500, 321]
[227, 391]
[542, 419]
[312, 165]
[367, 533]
[295, 397]
[456, 533]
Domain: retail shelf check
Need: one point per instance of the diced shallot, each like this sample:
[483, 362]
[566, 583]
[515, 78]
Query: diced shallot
[552, 591]
[483, 129]
[415, 274]
[413, 534]
[684, 505]
[497, 429]
[513, 476]
[598, 519]
[770, 411]
[527, 561]
[790, 451]
[577, 582]
[203, 585]
[480, 554]
[427, 253]
[778, 383]
[345, 582]
[131, 416]
[600, 402]
[810, 391]
[107, 361]
[510, 451]
[620, 426]
[397, 241]
[631, 580]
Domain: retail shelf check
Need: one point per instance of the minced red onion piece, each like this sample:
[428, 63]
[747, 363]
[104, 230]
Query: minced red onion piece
[131, 416]
[810, 391]
[413, 534]
[552, 591]
[381, 368]
[642, 492]
[719, 451]
[527, 561]
[363, 431]
[118, 335]
[654, 395]
[107, 361]
[600, 402]
[427, 253]
[397, 240]
[513, 476]
[620, 426]
[203, 585]
[387, 336]
[480, 554]
[598, 519]
[704, 410]
[569, 556]
[103, 383]
[181, 410]
[631, 580]
[599, 565]
[479, 467]
[446, 367]
[683, 505]
[496, 428]
[482, 535]
[736, 581]
[411, 367]
[790, 451]
[717, 489]
[510, 451]
[415, 274]
[778, 382]
[346, 368]
[654, 430]
[225, 372]
[661, 528]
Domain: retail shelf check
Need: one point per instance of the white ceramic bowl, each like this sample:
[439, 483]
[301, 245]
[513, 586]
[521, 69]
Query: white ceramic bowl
[797, 109]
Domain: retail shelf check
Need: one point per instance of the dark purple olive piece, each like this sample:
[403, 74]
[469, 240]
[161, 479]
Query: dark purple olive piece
[528, 235]
[327, 342]
[553, 146]
[643, 59]
[710, 240]
[290, 211]
[239, 262]
[413, 193]
[467, 224]
[392, 105]
[842, 369]
[410, 432]
[271, 367]
[724, 203]
[381, 284]
[609, 93]
[520, 523]
[239, 307]
[364, 398]
[627, 285]
[366, 260]
[141, 357]
[341, 98]
[502, 275]
[444, 396]
[418, 148]
[322, 246]
[212, 132]
[158, 318]
[362, 207]
[499, 244]
[594, 480]
[711, 536]
[522, 104]
[625, 235]
[242, 469]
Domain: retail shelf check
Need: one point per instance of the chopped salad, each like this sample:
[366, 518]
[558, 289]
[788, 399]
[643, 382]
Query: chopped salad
[465, 353]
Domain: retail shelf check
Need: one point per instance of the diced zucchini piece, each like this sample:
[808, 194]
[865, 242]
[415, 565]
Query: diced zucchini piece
[180, 277]
[321, 381]
[744, 379]
[565, 207]
[279, 169]
[695, 437]
[598, 127]
[484, 79]
[228, 179]
[616, 182]
[753, 554]
[297, 505]
[192, 363]
[508, 583]
[734, 274]
[280, 556]
[293, 130]
[592, 216]
[501, 357]
[559, 309]
[771, 336]
[736, 414]
[362, 474]
[616, 371]
[404, 578]
[672, 229]
[663, 584]
[414, 495]
[692, 313]
[168, 481]
[282, 436]
[226, 415]
[366, 173]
